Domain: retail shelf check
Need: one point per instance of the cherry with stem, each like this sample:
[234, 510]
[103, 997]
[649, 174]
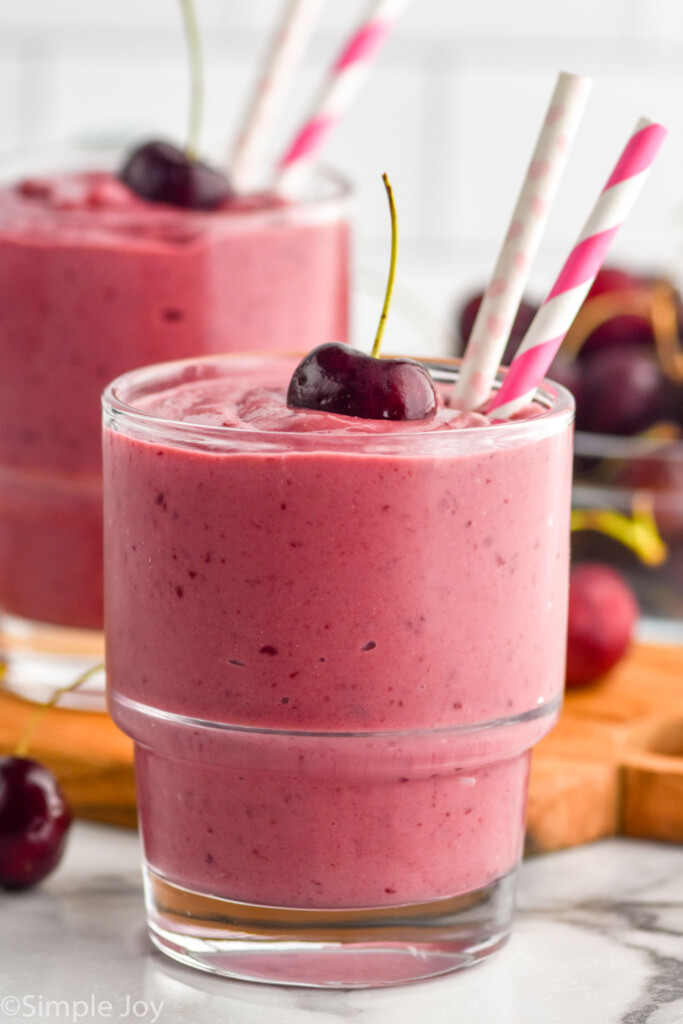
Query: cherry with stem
[343, 380]
[34, 815]
[162, 172]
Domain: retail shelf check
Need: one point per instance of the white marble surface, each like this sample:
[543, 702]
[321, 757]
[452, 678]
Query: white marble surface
[598, 940]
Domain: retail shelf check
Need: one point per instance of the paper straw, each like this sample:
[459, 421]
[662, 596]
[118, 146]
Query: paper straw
[501, 299]
[347, 75]
[282, 62]
[554, 317]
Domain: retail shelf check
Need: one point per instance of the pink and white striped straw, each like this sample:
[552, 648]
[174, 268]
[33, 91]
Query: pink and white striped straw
[348, 73]
[555, 316]
[501, 299]
[283, 60]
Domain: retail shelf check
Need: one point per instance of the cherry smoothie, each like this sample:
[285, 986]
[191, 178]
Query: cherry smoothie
[334, 640]
[95, 281]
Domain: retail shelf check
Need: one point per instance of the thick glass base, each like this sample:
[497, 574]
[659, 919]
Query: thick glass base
[328, 948]
[39, 658]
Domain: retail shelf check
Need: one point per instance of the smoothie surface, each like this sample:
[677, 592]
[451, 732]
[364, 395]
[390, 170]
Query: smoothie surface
[64, 207]
[257, 401]
[261, 405]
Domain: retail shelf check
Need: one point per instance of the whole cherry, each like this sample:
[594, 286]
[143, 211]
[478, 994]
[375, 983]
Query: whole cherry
[163, 173]
[34, 815]
[602, 615]
[337, 378]
[340, 379]
[613, 279]
[34, 822]
[615, 314]
[622, 391]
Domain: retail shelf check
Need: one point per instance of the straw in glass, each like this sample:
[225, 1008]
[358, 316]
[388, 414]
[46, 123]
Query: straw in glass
[273, 86]
[554, 317]
[347, 75]
[501, 299]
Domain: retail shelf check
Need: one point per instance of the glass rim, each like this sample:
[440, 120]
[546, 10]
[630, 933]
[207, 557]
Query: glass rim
[121, 414]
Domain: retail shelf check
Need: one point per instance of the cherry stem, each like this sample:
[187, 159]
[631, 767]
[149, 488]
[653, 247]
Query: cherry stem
[194, 47]
[40, 712]
[392, 268]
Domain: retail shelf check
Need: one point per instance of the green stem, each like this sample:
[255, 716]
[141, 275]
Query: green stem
[639, 532]
[392, 268]
[42, 709]
[194, 48]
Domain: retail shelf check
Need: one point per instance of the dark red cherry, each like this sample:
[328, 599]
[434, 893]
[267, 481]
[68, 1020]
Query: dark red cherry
[613, 279]
[468, 315]
[623, 330]
[337, 378]
[622, 392]
[624, 299]
[163, 173]
[567, 372]
[34, 821]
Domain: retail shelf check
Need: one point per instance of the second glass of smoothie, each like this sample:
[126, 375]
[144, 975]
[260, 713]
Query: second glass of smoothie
[334, 642]
[95, 281]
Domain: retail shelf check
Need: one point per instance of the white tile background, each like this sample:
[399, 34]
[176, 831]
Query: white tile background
[451, 111]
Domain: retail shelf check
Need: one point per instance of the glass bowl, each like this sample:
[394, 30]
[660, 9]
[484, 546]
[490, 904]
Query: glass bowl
[641, 480]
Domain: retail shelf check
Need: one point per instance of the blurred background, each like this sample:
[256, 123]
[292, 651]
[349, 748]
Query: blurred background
[451, 112]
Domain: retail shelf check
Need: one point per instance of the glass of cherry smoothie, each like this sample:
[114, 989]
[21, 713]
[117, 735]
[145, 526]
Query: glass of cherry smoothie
[334, 641]
[95, 280]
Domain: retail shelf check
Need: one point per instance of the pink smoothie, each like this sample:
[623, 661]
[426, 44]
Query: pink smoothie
[299, 571]
[94, 281]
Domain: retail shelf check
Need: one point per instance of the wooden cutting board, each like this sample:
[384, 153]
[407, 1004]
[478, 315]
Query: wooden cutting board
[613, 765]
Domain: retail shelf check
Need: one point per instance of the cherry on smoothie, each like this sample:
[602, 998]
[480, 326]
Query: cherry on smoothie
[162, 173]
[340, 379]
[337, 378]
[34, 822]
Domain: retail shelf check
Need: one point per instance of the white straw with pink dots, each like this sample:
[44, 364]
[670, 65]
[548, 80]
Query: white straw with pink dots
[346, 77]
[501, 299]
[285, 56]
[555, 315]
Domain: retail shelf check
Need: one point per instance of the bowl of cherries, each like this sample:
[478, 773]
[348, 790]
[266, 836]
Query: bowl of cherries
[623, 361]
